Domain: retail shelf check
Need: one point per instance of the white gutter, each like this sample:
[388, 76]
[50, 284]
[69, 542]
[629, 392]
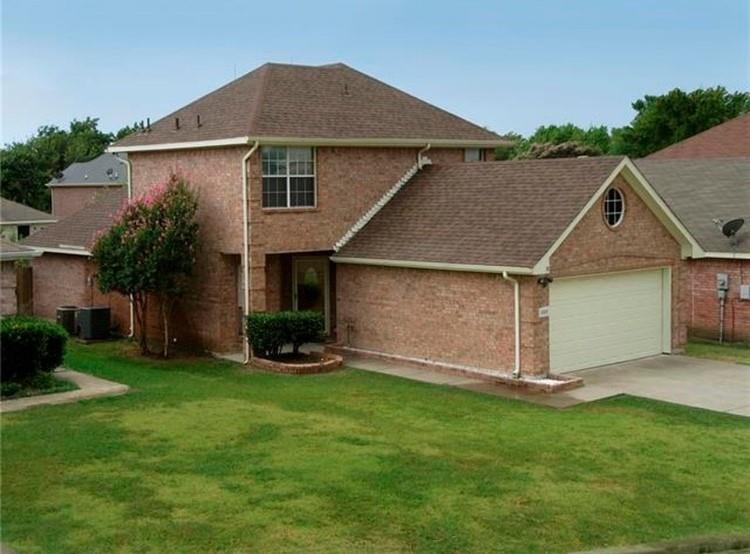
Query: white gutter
[246, 251]
[517, 323]
[433, 265]
[129, 184]
[27, 222]
[312, 141]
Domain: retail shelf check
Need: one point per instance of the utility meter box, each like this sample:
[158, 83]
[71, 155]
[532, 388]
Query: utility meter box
[722, 281]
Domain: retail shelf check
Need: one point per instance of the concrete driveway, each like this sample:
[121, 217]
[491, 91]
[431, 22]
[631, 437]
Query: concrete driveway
[709, 384]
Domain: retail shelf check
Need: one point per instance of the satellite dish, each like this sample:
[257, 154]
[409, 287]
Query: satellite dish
[58, 175]
[730, 228]
[110, 171]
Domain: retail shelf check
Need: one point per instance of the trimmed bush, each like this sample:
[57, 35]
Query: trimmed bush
[270, 331]
[29, 345]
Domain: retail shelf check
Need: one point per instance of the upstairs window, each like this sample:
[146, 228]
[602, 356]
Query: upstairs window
[473, 155]
[288, 177]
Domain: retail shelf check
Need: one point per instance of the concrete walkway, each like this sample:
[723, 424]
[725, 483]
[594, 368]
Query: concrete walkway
[88, 387]
[699, 383]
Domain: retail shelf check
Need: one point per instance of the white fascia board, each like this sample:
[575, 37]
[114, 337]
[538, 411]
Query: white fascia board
[727, 255]
[70, 251]
[650, 197]
[28, 222]
[472, 268]
[76, 185]
[314, 141]
[237, 141]
[12, 256]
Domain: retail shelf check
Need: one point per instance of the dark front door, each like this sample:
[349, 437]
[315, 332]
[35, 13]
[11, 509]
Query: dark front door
[310, 285]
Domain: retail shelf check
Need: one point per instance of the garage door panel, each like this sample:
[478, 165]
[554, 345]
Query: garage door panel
[605, 319]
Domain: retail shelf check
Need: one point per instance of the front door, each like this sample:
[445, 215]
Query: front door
[310, 286]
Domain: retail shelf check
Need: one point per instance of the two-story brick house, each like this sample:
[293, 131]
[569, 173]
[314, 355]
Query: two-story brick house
[286, 159]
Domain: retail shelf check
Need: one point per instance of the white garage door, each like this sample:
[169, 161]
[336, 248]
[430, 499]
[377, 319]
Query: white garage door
[606, 319]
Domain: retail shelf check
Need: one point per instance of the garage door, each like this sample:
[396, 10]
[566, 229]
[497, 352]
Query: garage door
[606, 319]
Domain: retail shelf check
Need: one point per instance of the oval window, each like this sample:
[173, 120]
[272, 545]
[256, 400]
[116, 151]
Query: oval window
[614, 207]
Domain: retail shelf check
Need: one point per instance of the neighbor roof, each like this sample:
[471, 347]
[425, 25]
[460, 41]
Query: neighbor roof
[486, 214]
[78, 230]
[699, 191]
[10, 251]
[307, 102]
[13, 213]
[730, 139]
[106, 169]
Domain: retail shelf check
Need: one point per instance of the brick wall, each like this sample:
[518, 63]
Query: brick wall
[704, 302]
[348, 181]
[8, 288]
[69, 199]
[61, 279]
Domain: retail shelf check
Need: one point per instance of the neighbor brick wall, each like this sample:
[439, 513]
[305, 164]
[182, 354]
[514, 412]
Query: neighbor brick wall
[704, 302]
[348, 181]
[69, 199]
[8, 305]
[61, 279]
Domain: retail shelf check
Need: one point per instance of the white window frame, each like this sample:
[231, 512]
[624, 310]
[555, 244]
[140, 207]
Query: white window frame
[605, 202]
[289, 181]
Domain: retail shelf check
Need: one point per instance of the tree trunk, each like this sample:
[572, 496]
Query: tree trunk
[165, 321]
[141, 316]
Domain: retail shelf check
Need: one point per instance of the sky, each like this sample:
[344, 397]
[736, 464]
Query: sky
[507, 65]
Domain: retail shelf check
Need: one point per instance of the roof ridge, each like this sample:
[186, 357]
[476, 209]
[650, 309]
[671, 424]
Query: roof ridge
[257, 107]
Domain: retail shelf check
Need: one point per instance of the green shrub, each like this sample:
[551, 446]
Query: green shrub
[269, 332]
[29, 345]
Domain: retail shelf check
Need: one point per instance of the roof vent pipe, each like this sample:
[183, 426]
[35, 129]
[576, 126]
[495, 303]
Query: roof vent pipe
[176, 122]
[198, 119]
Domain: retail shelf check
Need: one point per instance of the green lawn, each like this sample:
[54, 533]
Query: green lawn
[204, 457]
[739, 353]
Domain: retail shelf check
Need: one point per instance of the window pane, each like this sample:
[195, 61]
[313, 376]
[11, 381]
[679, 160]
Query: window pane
[274, 160]
[274, 192]
[301, 161]
[472, 155]
[301, 191]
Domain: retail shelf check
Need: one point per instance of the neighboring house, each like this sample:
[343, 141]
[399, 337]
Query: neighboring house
[64, 275]
[10, 254]
[704, 194]
[18, 221]
[730, 139]
[79, 183]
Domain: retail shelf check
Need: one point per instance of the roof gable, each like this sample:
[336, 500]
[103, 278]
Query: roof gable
[278, 101]
[504, 215]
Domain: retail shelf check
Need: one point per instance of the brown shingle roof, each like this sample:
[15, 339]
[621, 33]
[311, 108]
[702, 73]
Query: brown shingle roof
[730, 139]
[79, 230]
[294, 101]
[493, 213]
[12, 212]
[699, 191]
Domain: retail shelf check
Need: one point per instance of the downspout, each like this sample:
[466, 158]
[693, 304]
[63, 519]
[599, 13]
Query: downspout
[420, 161]
[246, 250]
[129, 185]
[517, 323]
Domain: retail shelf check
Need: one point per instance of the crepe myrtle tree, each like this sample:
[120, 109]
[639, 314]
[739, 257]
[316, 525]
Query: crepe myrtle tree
[150, 251]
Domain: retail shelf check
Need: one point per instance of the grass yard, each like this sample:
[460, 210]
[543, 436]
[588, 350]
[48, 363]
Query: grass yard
[203, 456]
[739, 353]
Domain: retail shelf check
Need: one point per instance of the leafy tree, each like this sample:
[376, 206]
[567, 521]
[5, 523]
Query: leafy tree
[669, 118]
[569, 149]
[26, 167]
[593, 141]
[150, 251]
